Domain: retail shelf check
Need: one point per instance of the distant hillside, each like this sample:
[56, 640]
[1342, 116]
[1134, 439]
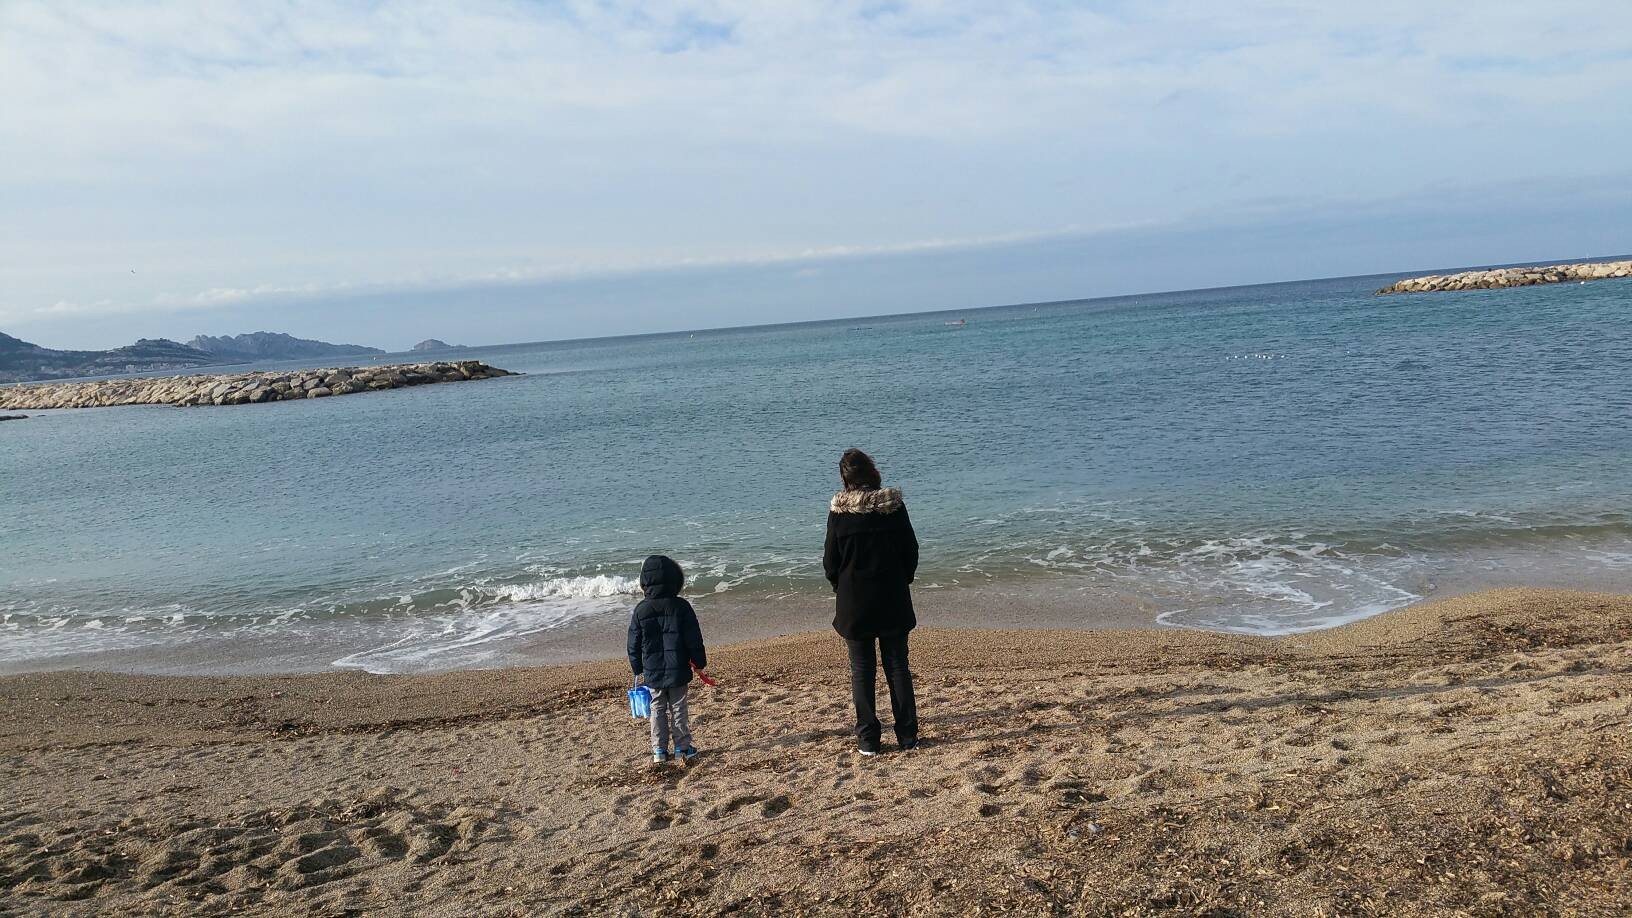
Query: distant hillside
[21, 361]
[435, 344]
[274, 346]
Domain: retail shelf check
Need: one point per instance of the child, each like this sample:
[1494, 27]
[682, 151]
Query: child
[665, 643]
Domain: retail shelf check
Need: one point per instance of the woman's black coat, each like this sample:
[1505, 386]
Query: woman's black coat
[870, 558]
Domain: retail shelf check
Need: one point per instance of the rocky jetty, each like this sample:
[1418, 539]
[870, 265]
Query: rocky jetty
[1511, 277]
[241, 388]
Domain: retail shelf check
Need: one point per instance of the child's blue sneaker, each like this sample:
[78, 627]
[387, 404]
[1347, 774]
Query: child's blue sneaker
[687, 753]
[659, 757]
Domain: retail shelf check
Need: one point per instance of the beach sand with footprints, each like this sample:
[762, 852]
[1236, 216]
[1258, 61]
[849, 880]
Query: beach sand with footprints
[1467, 757]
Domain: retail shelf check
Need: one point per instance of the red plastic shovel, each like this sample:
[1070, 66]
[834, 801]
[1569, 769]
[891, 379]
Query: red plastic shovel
[707, 680]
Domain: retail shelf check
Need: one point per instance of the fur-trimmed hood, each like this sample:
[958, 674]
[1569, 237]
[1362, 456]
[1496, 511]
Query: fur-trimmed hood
[882, 500]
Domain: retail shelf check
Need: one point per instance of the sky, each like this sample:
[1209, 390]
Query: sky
[488, 172]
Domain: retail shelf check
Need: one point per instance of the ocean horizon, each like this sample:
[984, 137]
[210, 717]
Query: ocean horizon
[1266, 459]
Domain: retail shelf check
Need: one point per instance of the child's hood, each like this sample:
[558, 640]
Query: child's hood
[660, 577]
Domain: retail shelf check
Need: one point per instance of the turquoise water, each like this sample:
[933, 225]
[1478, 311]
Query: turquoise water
[1263, 459]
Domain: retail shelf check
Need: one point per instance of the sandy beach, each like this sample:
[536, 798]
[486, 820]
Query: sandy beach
[1466, 757]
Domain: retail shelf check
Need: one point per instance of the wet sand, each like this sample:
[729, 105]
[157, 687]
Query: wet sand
[1470, 756]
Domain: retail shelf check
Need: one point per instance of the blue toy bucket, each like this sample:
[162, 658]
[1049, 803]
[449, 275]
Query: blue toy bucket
[640, 701]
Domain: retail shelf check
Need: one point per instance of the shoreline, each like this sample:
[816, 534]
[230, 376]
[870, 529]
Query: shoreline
[1057, 603]
[599, 636]
[1462, 756]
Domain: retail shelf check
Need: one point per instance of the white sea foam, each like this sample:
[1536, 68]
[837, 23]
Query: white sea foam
[30, 634]
[1282, 596]
[600, 586]
[1258, 584]
[1611, 559]
[459, 640]
[472, 630]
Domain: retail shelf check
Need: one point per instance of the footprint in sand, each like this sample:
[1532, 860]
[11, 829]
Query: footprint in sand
[734, 804]
[325, 861]
[1075, 793]
[620, 803]
[770, 806]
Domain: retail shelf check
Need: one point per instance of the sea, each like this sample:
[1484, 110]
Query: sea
[1265, 460]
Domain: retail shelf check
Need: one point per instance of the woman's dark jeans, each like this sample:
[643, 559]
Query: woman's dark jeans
[863, 681]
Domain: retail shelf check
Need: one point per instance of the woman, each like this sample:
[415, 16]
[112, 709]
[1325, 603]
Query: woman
[870, 558]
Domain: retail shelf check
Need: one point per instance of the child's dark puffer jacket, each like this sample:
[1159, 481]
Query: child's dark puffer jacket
[664, 637]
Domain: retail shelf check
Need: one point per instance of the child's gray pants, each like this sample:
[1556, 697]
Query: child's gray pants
[669, 715]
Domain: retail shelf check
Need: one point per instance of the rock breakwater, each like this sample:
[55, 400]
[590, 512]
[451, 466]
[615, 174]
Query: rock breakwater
[1511, 277]
[241, 388]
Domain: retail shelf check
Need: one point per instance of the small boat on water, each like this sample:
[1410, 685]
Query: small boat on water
[957, 323]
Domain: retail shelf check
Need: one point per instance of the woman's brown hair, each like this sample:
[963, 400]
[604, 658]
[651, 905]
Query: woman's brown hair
[857, 471]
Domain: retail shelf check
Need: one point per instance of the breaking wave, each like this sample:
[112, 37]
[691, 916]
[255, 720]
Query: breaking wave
[600, 586]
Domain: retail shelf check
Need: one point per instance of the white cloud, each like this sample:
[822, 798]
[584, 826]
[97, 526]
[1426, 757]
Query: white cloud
[236, 151]
[808, 261]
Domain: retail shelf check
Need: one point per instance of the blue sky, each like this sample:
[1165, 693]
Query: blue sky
[488, 172]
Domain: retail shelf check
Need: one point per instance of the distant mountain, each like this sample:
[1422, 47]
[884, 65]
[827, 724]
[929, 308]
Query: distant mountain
[21, 361]
[433, 344]
[273, 346]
